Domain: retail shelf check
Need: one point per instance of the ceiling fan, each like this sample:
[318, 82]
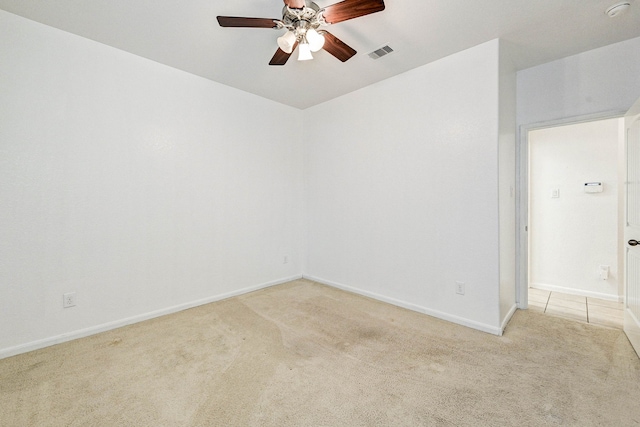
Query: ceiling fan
[303, 20]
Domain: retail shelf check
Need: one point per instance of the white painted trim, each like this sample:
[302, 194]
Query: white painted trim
[434, 313]
[522, 218]
[522, 191]
[81, 333]
[507, 318]
[580, 292]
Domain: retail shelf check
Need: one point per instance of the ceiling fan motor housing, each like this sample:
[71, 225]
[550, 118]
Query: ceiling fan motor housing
[299, 21]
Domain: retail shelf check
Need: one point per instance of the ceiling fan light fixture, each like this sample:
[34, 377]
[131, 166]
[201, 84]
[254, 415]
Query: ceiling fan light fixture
[287, 41]
[304, 53]
[302, 18]
[315, 39]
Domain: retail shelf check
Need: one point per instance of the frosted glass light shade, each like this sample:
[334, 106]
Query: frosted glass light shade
[287, 41]
[315, 39]
[304, 53]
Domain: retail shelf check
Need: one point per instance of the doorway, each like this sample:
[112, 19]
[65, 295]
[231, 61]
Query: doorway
[573, 219]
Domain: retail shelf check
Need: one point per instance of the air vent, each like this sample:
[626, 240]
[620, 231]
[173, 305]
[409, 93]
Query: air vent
[379, 53]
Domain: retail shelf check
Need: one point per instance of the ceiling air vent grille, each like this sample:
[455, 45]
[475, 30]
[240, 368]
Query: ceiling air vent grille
[379, 53]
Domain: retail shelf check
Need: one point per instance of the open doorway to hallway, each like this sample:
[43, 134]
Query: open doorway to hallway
[575, 216]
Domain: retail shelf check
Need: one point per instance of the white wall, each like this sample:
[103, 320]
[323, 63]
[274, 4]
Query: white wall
[402, 189]
[571, 236]
[600, 80]
[140, 187]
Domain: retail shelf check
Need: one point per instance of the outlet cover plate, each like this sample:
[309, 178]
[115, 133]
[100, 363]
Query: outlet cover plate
[69, 299]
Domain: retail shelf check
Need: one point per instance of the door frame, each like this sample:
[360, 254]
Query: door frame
[522, 194]
[631, 327]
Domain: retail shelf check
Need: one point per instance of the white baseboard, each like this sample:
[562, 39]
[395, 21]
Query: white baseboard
[573, 291]
[81, 333]
[430, 312]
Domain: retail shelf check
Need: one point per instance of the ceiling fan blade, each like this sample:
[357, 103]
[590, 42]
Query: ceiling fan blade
[337, 47]
[237, 21]
[281, 57]
[349, 9]
[295, 4]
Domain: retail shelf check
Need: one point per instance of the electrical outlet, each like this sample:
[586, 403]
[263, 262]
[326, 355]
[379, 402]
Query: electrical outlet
[69, 299]
[460, 288]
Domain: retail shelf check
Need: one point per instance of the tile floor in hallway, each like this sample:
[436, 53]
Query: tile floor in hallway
[584, 309]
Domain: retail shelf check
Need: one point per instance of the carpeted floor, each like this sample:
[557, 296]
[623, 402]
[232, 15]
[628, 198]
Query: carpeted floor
[303, 354]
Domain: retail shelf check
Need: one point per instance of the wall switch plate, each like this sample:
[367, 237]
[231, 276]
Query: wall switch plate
[69, 299]
[285, 259]
[604, 272]
[460, 288]
[555, 193]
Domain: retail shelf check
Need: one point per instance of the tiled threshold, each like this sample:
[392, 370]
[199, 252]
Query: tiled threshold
[575, 307]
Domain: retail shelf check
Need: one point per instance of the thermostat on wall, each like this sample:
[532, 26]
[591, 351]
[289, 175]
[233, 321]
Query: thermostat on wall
[593, 187]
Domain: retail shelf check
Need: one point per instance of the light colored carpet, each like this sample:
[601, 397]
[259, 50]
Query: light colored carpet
[303, 354]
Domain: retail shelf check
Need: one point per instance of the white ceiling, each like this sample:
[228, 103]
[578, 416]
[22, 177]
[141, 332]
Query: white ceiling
[185, 35]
